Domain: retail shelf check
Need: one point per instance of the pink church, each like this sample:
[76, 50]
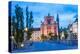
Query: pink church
[49, 26]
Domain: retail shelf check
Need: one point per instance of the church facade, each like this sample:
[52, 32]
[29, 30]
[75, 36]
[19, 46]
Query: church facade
[49, 25]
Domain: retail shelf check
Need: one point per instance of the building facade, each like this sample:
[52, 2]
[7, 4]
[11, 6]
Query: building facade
[73, 28]
[36, 34]
[49, 26]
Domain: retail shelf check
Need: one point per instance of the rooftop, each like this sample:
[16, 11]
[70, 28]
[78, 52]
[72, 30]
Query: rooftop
[36, 29]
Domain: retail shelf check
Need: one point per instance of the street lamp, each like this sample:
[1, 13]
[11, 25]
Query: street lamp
[26, 29]
[12, 42]
[12, 37]
[22, 45]
[25, 32]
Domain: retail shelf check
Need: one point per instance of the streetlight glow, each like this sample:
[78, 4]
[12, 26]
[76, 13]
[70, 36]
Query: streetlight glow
[22, 45]
[12, 37]
[26, 29]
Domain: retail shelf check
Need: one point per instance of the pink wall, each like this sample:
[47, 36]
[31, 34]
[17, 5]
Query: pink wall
[47, 28]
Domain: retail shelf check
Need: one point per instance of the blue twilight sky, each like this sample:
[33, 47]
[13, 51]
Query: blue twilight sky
[66, 12]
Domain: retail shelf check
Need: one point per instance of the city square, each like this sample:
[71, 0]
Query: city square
[42, 27]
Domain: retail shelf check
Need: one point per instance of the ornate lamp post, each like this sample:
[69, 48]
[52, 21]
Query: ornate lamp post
[25, 30]
[25, 33]
[13, 42]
